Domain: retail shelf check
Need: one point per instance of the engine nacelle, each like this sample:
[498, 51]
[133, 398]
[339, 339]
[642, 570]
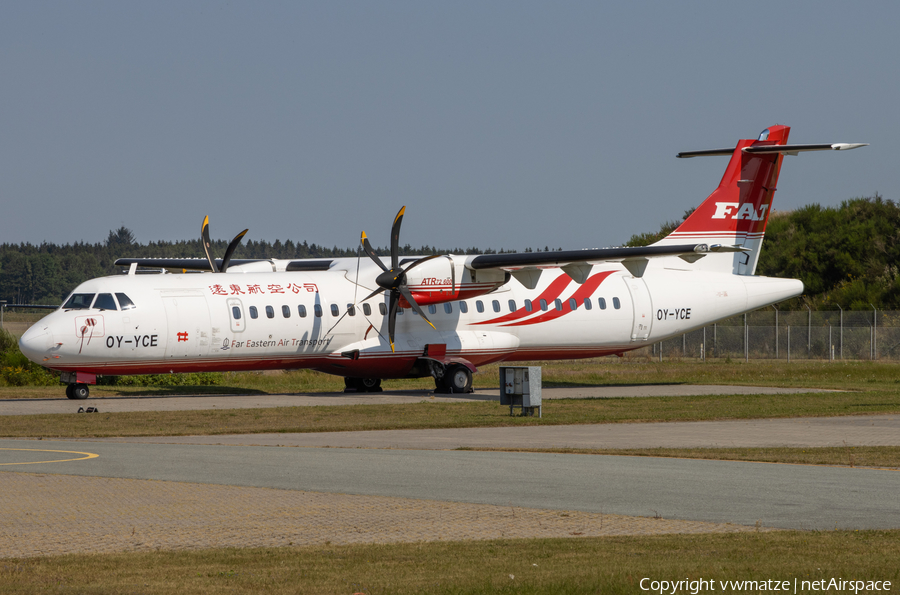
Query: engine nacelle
[434, 282]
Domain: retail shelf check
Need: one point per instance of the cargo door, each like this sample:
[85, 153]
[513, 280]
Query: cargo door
[188, 322]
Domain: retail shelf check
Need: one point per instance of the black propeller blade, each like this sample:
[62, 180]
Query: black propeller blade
[393, 279]
[204, 239]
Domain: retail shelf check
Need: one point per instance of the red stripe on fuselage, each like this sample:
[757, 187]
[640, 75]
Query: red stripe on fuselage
[552, 292]
[585, 290]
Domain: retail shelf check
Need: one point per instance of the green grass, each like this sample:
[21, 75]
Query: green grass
[846, 375]
[429, 414]
[578, 565]
[845, 456]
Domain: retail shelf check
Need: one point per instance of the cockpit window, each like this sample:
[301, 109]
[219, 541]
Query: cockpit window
[79, 301]
[105, 301]
[125, 302]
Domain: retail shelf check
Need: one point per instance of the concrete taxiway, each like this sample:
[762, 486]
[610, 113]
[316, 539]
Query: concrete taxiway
[784, 496]
[280, 489]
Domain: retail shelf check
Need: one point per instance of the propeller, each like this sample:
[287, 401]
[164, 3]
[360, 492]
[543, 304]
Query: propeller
[393, 280]
[204, 236]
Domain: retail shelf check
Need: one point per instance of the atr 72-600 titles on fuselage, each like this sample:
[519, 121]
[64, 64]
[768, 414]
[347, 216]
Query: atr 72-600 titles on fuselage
[442, 315]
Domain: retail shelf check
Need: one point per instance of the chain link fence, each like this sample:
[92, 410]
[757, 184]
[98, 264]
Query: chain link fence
[772, 334]
[17, 321]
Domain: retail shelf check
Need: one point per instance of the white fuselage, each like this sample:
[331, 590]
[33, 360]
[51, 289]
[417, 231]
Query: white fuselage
[244, 320]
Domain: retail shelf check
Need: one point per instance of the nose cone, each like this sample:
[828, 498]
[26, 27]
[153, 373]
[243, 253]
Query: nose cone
[36, 343]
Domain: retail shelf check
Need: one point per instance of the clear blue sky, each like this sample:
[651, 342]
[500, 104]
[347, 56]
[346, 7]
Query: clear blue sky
[498, 124]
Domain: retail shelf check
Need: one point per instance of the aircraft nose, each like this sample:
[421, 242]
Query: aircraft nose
[36, 343]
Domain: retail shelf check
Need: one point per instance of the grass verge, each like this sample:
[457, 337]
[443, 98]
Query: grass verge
[846, 375]
[583, 565]
[427, 414]
[882, 457]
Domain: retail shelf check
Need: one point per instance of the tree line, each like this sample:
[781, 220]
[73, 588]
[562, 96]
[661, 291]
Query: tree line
[846, 255]
[46, 273]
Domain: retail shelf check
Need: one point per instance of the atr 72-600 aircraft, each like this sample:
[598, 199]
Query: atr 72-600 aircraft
[442, 315]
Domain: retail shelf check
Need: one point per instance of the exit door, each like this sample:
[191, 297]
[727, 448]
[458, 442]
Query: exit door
[643, 308]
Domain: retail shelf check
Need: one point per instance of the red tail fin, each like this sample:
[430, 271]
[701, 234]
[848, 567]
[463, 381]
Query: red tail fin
[737, 211]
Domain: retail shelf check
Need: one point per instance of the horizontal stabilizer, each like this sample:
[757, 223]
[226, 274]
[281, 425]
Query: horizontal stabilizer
[773, 149]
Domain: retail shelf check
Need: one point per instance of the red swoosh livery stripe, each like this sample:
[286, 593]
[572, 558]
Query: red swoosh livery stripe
[552, 292]
[585, 290]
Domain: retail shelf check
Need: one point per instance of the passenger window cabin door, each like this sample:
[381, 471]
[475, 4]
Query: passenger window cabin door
[236, 315]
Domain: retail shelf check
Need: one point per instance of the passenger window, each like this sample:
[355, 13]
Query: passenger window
[479, 306]
[602, 302]
[557, 303]
[616, 303]
[464, 307]
[125, 302]
[432, 309]
[334, 310]
[587, 303]
[236, 312]
[318, 310]
[382, 308]
[301, 310]
[573, 305]
[512, 305]
[367, 309]
[254, 313]
[286, 311]
[448, 308]
[79, 301]
[495, 305]
[528, 306]
[543, 305]
[105, 301]
[351, 309]
[270, 312]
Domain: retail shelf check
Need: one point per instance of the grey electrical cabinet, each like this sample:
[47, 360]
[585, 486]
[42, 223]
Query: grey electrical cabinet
[520, 386]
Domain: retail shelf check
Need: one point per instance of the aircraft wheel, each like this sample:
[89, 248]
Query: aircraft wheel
[69, 388]
[79, 391]
[456, 379]
[370, 385]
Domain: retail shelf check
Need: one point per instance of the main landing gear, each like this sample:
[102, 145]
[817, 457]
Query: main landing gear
[455, 378]
[78, 391]
[362, 385]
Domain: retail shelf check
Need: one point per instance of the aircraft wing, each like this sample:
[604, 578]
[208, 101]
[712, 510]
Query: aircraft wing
[577, 263]
[201, 264]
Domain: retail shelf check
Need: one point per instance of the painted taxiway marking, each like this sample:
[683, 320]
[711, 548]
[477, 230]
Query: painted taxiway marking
[87, 455]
